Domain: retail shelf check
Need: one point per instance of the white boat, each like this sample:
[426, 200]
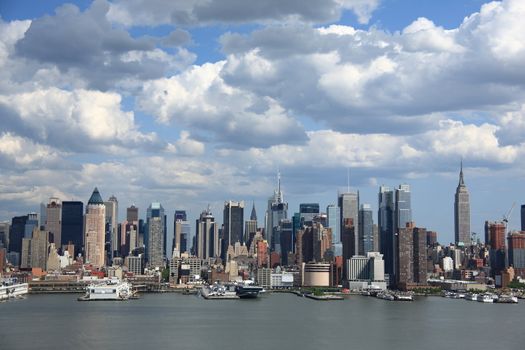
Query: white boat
[403, 297]
[487, 298]
[11, 289]
[472, 297]
[507, 299]
[108, 290]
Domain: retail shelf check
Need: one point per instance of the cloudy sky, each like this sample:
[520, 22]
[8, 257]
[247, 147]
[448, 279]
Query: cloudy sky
[200, 101]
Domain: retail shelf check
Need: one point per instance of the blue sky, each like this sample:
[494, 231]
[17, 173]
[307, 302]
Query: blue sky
[190, 103]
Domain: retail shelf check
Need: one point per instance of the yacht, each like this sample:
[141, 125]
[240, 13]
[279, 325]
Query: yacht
[472, 296]
[10, 288]
[487, 298]
[109, 290]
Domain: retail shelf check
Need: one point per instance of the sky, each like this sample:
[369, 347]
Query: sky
[196, 102]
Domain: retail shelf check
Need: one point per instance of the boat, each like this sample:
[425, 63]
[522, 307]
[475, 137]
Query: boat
[472, 296]
[385, 296]
[247, 290]
[403, 297]
[487, 298]
[218, 291]
[108, 290]
[10, 288]
[507, 299]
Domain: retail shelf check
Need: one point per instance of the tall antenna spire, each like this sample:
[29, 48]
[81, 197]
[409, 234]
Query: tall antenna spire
[461, 180]
[348, 180]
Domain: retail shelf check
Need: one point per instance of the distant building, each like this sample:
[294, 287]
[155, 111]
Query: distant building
[277, 210]
[233, 225]
[316, 275]
[348, 233]
[462, 212]
[73, 225]
[156, 223]
[132, 214]
[307, 212]
[135, 264]
[333, 213]
[431, 238]
[286, 240]
[366, 272]
[523, 217]
[250, 227]
[53, 222]
[112, 233]
[386, 214]
[517, 252]
[181, 231]
[207, 236]
[349, 206]
[4, 234]
[95, 230]
[411, 257]
[366, 229]
[496, 239]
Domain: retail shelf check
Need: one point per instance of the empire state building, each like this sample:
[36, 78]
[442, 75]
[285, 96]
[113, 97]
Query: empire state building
[462, 212]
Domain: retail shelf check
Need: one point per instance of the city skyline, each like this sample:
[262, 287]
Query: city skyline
[198, 112]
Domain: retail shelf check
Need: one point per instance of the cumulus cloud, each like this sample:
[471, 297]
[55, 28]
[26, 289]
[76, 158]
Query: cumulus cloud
[200, 99]
[198, 12]
[79, 120]
[87, 45]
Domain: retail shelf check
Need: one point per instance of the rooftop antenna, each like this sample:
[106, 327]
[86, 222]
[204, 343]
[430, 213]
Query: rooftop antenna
[348, 180]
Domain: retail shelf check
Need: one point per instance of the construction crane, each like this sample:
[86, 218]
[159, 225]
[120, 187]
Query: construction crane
[507, 216]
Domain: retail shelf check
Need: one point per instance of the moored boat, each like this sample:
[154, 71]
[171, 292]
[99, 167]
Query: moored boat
[10, 288]
[108, 290]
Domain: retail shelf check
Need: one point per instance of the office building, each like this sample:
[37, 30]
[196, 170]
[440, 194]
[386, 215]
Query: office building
[366, 271]
[72, 229]
[496, 238]
[523, 217]
[31, 223]
[112, 233]
[386, 212]
[4, 234]
[348, 203]
[348, 234]
[462, 212]
[132, 214]
[207, 236]
[307, 212]
[403, 207]
[16, 233]
[181, 231]
[366, 229]
[95, 230]
[250, 227]
[277, 210]
[35, 249]
[233, 220]
[53, 220]
[156, 235]
[316, 275]
[286, 240]
[333, 213]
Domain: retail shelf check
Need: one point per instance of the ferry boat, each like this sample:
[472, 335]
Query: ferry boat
[10, 288]
[385, 296]
[507, 299]
[472, 297]
[403, 297]
[109, 290]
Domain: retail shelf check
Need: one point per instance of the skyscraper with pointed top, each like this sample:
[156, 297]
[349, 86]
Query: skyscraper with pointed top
[94, 230]
[277, 210]
[250, 227]
[462, 212]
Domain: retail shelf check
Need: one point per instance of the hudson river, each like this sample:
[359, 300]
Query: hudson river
[277, 321]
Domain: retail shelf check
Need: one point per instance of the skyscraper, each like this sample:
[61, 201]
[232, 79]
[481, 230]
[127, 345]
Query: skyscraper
[496, 239]
[403, 207]
[4, 235]
[307, 212]
[16, 234]
[412, 264]
[277, 210]
[72, 224]
[250, 227]
[523, 217]
[366, 229]
[94, 230]
[53, 221]
[132, 214]
[207, 236]
[181, 231]
[348, 203]
[462, 212]
[385, 219]
[112, 245]
[233, 219]
[156, 234]
[334, 213]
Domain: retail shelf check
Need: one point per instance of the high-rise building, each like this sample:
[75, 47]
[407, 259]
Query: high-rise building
[112, 244]
[16, 233]
[307, 212]
[348, 203]
[403, 214]
[207, 236]
[462, 212]
[333, 213]
[132, 214]
[496, 239]
[277, 210]
[35, 249]
[286, 240]
[517, 252]
[233, 220]
[72, 229]
[366, 229]
[523, 217]
[95, 230]
[250, 227]
[53, 221]
[348, 233]
[4, 235]
[181, 231]
[156, 224]
[385, 220]
[31, 223]
[411, 256]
